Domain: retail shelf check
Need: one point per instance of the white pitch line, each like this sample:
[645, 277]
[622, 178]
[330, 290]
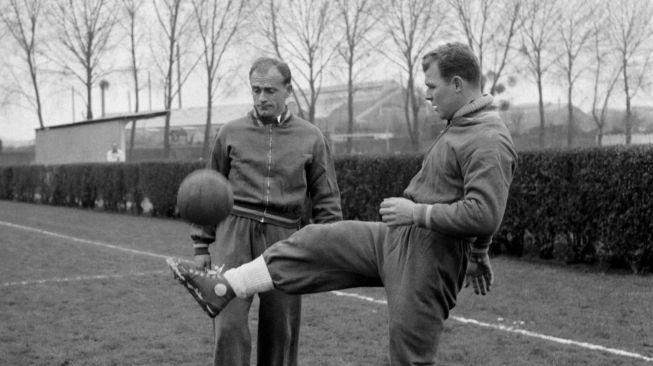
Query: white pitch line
[79, 278]
[84, 241]
[524, 332]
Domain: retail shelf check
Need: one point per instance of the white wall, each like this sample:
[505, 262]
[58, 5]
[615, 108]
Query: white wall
[620, 139]
[82, 143]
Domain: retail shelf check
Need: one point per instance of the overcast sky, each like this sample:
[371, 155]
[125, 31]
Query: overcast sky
[19, 123]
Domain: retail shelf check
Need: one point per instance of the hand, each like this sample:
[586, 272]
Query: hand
[479, 273]
[202, 261]
[397, 211]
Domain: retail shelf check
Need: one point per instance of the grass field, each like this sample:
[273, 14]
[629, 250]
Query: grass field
[88, 288]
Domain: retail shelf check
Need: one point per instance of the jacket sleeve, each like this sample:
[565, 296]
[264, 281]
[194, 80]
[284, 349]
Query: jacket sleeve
[203, 236]
[322, 184]
[487, 173]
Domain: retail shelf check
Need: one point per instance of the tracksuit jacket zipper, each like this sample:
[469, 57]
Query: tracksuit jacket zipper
[267, 177]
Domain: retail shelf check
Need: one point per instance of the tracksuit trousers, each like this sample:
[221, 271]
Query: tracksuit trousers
[422, 272]
[239, 240]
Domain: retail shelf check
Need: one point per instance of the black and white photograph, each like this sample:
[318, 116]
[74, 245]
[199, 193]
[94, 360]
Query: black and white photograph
[326, 182]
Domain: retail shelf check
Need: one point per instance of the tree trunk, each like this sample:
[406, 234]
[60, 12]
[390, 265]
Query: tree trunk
[627, 122]
[541, 109]
[412, 131]
[178, 77]
[570, 117]
[37, 94]
[407, 114]
[89, 87]
[168, 100]
[207, 125]
[350, 107]
[313, 101]
[416, 124]
[168, 105]
[132, 137]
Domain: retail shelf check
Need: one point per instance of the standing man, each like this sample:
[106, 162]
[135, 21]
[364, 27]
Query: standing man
[430, 239]
[115, 154]
[273, 161]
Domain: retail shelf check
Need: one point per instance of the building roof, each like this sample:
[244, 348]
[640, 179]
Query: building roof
[522, 118]
[335, 96]
[109, 118]
[220, 115]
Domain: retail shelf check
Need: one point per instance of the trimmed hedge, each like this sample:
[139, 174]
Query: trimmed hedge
[578, 206]
[365, 181]
[112, 187]
[582, 206]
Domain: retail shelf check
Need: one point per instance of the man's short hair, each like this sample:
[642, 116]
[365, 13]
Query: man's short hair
[263, 64]
[454, 59]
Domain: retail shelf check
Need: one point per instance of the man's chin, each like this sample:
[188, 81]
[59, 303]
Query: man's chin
[265, 113]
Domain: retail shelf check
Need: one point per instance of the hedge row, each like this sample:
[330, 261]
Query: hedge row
[583, 206]
[578, 206]
[132, 188]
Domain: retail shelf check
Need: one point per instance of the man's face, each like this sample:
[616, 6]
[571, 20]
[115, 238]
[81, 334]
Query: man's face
[441, 93]
[269, 92]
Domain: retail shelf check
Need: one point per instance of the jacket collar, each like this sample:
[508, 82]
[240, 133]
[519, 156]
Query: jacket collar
[281, 120]
[473, 106]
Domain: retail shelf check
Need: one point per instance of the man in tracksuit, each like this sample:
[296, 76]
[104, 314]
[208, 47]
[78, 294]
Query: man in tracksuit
[430, 239]
[273, 161]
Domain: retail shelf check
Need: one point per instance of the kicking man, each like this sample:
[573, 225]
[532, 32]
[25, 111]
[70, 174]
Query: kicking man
[429, 240]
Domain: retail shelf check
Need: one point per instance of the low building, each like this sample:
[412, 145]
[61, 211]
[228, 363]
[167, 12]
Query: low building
[89, 141]
[85, 141]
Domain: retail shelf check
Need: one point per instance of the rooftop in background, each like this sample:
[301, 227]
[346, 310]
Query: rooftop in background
[178, 117]
[334, 96]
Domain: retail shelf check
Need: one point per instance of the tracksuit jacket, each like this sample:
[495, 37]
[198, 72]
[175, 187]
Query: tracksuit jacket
[460, 194]
[271, 167]
[462, 187]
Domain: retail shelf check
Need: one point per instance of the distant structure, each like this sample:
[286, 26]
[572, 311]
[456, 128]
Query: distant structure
[379, 118]
[88, 141]
[85, 141]
[379, 128]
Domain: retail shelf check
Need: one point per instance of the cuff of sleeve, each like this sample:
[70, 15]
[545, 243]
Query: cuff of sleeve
[422, 215]
[478, 248]
[201, 249]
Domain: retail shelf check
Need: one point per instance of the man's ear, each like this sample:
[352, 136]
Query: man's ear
[289, 88]
[457, 83]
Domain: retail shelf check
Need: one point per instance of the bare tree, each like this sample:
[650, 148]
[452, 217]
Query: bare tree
[538, 34]
[575, 30]
[606, 72]
[217, 23]
[301, 33]
[22, 19]
[411, 26]
[268, 16]
[4, 93]
[490, 27]
[83, 28]
[310, 45]
[174, 22]
[358, 19]
[130, 10]
[630, 27]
